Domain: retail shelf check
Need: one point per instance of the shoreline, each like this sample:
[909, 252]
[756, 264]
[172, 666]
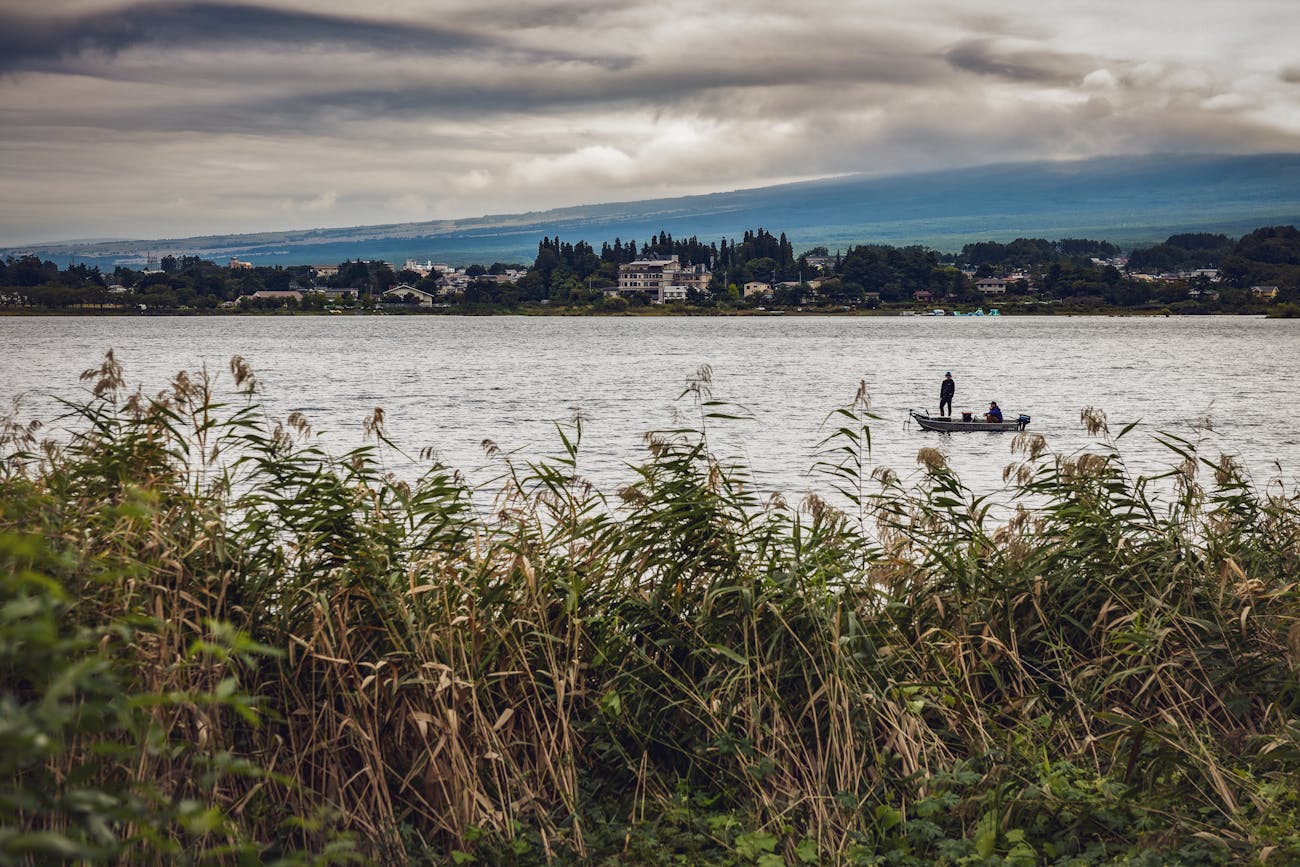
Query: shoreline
[572, 313]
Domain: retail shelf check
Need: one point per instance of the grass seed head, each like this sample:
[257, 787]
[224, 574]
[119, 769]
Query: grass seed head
[1085, 466]
[1019, 473]
[243, 373]
[932, 459]
[298, 422]
[1094, 421]
[373, 426]
[1227, 470]
[1030, 444]
[107, 377]
[862, 400]
[885, 476]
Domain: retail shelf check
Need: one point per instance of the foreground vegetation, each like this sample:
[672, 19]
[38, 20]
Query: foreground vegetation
[220, 645]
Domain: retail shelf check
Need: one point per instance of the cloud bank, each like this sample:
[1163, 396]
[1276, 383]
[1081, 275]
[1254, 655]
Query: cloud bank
[174, 118]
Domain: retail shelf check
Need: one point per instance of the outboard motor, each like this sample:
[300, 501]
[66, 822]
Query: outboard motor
[1023, 419]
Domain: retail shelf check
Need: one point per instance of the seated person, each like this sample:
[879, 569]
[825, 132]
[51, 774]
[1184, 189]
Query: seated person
[994, 413]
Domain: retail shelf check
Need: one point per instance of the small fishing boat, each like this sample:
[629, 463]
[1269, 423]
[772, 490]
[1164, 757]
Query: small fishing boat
[967, 421]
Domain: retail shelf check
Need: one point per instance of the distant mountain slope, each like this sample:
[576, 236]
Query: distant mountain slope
[1127, 200]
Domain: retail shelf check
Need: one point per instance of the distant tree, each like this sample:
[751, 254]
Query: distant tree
[1181, 252]
[759, 270]
[383, 278]
[277, 278]
[29, 271]
[1199, 241]
[124, 276]
[1275, 245]
[1085, 247]
[351, 275]
[149, 282]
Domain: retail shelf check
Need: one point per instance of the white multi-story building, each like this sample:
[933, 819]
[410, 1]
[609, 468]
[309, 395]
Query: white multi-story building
[992, 285]
[662, 279]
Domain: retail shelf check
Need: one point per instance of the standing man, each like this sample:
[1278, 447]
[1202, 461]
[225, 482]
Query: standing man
[945, 394]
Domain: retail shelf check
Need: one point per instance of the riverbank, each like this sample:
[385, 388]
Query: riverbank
[223, 642]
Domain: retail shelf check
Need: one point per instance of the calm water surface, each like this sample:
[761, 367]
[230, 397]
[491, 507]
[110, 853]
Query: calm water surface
[451, 382]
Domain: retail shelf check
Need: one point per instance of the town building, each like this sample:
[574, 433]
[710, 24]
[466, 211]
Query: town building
[992, 285]
[405, 293]
[338, 293]
[276, 294]
[421, 268]
[662, 279]
[813, 284]
[672, 292]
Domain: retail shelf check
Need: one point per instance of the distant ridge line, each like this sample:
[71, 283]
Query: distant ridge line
[1125, 200]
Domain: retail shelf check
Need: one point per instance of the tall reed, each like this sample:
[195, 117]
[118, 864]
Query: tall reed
[220, 643]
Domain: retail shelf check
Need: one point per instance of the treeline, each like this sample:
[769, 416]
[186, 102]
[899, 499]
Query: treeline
[1027, 252]
[1191, 271]
[1074, 271]
[1182, 253]
[184, 281]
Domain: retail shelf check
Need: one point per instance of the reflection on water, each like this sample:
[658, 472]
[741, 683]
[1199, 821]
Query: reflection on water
[450, 382]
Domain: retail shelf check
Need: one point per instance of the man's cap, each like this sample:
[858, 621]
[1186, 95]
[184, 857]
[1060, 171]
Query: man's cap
[949, 373]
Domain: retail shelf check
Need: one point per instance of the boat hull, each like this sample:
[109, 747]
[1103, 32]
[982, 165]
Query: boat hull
[952, 425]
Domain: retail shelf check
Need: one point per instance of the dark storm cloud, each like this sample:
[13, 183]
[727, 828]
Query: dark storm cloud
[541, 87]
[550, 13]
[1035, 67]
[34, 42]
[478, 86]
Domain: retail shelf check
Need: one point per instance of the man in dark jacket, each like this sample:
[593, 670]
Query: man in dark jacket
[945, 394]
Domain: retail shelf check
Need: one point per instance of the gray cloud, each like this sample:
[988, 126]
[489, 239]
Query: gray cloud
[311, 94]
[43, 42]
[982, 58]
[167, 118]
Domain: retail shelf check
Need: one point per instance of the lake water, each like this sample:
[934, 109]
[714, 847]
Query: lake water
[450, 382]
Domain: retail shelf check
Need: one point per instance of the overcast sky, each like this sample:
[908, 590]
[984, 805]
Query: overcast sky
[166, 119]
